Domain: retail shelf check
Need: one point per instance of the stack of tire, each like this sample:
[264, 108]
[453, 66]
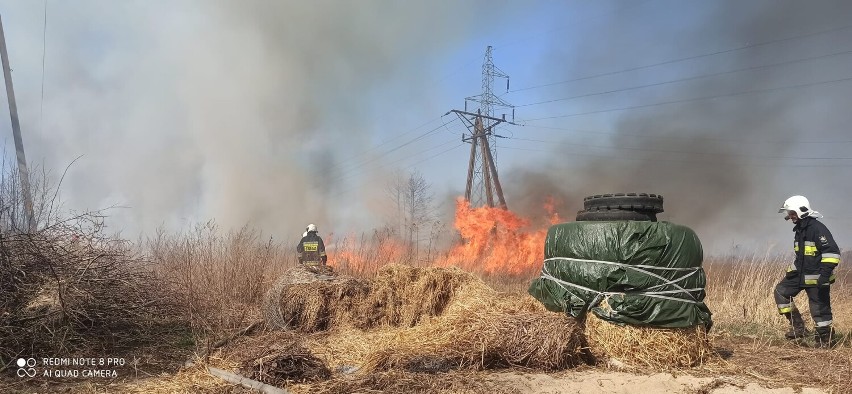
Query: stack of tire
[621, 206]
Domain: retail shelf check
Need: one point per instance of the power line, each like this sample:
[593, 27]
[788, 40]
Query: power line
[731, 140]
[696, 77]
[398, 136]
[418, 153]
[424, 135]
[458, 145]
[437, 154]
[750, 156]
[685, 58]
[695, 99]
[700, 162]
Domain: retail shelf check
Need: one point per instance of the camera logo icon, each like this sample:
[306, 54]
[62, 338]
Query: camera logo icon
[25, 367]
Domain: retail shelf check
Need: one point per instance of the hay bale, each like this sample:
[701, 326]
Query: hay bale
[426, 320]
[308, 302]
[398, 296]
[402, 296]
[497, 335]
[657, 348]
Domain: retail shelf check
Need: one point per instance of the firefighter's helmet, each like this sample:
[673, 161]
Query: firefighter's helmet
[305, 234]
[312, 228]
[798, 204]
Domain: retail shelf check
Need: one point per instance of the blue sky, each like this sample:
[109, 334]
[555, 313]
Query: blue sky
[282, 113]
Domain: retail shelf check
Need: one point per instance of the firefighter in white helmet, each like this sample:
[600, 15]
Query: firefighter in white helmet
[817, 255]
[311, 248]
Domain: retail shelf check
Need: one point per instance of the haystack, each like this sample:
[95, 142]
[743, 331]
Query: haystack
[306, 301]
[422, 319]
[658, 348]
[482, 333]
[403, 296]
[399, 296]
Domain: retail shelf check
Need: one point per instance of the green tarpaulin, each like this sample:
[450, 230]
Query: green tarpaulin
[626, 272]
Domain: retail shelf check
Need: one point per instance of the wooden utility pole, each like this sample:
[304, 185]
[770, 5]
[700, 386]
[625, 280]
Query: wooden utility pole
[16, 131]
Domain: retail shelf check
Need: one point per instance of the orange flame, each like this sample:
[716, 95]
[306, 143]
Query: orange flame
[497, 241]
[493, 241]
[365, 254]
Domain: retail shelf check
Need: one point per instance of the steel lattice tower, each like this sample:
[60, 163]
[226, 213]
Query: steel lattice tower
[483, 183]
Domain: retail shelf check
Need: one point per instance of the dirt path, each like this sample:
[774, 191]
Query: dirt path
[593, 381]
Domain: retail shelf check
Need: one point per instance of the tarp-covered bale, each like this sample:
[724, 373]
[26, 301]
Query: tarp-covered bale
[649, 273]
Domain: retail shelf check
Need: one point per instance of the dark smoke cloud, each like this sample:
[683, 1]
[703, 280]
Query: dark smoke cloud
[725, 183]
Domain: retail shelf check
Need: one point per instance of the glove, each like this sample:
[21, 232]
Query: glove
[823, 280]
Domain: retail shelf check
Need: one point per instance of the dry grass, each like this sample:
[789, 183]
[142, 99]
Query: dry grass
[417, 319]
[779, 363]
[739, 293]
[218, 279]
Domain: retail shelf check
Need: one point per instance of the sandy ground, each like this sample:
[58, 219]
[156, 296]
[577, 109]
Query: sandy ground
[584, 381]
[626, 383]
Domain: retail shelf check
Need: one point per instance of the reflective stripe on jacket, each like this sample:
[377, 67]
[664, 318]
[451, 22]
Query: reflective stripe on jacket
[816, 252]
[311, 249]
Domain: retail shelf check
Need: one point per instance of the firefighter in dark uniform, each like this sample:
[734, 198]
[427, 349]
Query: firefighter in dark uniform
[817, 255]
[311, 249]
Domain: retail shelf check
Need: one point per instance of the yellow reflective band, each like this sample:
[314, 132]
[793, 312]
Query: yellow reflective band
[311, 246]
[831, 260]
[791, 268]
[796, 248]
[786, 309]
[832, 278]
[810, 281]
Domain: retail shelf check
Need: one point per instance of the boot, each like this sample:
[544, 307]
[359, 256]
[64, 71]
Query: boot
[825, 337]
[797, 325]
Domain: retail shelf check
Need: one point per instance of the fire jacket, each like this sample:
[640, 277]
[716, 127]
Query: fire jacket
[816, 253]
[311, 249]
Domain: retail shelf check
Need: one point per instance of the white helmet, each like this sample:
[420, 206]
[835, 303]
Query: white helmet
[312, 228]
[800, 205]
[305, 234]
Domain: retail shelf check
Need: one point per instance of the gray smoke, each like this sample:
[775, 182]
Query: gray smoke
[724, 165]
[246, 112]
[260, 111]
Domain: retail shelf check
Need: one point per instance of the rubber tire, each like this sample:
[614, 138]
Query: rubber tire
[624, 201]
[616, 215]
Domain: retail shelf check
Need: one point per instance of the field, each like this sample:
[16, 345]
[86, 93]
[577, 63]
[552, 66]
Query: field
[216, 281]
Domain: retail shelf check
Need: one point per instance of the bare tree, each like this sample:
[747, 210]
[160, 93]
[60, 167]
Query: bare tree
[413, 199]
